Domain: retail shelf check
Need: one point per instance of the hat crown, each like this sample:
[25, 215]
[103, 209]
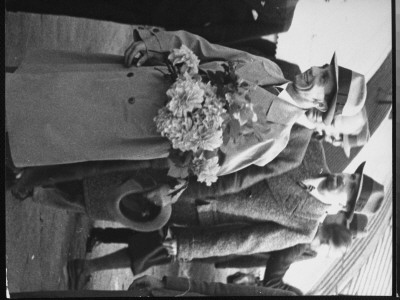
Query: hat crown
[350, 94]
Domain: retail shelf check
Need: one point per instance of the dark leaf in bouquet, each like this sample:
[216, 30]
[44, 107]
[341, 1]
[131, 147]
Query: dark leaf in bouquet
[179, 158]
[197, 77]
[244, 84]
[226, 135]
[210, 154]
[178, 172]
[211, 76]
[226, 67]
[234, 128]
[247, 97]
[219, 77]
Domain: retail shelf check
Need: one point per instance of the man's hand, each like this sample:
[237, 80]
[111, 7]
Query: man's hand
[172, 246]
[147, 282]
[160, 195]
[137, 54]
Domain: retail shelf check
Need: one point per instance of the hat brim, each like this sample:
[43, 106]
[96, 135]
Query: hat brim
[328, 115]
[133, 187]
[351, 204]
[152, 225]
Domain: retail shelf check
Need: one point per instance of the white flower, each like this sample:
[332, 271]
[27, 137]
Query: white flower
[186, 95]
[186, 57]
[205, 169]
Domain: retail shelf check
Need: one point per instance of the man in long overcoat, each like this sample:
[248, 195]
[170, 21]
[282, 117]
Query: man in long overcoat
[113, 114]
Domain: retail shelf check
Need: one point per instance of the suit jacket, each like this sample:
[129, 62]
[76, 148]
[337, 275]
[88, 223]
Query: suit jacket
[89, 107]
[274, 213]
[189, 287]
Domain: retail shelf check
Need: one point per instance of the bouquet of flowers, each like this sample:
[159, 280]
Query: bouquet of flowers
[205, 109]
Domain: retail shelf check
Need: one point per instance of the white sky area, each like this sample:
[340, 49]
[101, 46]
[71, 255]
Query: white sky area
[360, 32]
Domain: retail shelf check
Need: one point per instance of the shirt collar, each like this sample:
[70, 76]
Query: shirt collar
[284, 95]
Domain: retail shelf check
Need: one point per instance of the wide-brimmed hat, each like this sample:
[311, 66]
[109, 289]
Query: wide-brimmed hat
[368, 198]
[122, 210]
[356, 140]
[350, 93]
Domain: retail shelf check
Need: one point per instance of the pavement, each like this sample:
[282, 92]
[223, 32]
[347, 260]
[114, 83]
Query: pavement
[39, 239]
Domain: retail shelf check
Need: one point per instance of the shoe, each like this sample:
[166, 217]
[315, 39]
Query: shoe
[78, 278]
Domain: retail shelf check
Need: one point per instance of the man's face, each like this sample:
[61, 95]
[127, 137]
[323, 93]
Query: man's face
[334, 189]
[314, 84]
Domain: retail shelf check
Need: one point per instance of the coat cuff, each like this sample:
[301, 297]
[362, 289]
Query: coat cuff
[151, 39]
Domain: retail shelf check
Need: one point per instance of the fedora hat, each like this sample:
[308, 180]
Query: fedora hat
[124, 205]
[349, 95]
[357, 140]
[368, 198]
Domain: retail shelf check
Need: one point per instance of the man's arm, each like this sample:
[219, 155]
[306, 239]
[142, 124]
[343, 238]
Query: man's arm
[162, 41]
[219, 289]
[249, 239]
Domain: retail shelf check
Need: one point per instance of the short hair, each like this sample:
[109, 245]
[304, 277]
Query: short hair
[338, 234]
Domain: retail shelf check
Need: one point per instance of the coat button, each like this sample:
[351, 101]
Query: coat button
[249, 194]
[130, 74]
[131, 100]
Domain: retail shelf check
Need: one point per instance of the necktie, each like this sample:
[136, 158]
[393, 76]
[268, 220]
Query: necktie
[272, 89]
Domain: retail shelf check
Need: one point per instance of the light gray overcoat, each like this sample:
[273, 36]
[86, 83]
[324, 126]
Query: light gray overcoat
[70, 107]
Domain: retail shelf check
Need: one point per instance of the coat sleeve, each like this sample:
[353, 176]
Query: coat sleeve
[279, 263]
[249, 239]
[167, 40]
[219, 289]
[260, 68]
[290, 158]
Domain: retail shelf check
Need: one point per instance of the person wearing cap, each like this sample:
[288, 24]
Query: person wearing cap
[123, 129]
